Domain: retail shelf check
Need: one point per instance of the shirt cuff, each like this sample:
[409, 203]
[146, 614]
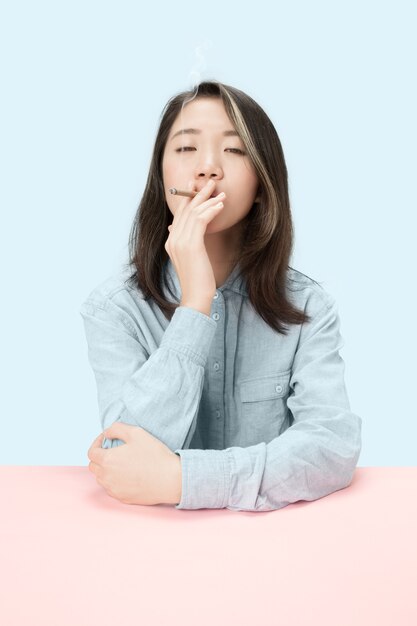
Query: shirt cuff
[190, 332]
[218, 479]
[205, 479]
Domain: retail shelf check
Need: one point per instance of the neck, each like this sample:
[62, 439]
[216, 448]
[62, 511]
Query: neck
[222, 248]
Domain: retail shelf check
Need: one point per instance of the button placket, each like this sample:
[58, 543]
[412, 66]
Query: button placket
[217, 370]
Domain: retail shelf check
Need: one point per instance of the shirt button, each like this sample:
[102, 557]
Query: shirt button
[278, 388]
[217, 414]
[216, 366]
[216, 316]
[216, 295]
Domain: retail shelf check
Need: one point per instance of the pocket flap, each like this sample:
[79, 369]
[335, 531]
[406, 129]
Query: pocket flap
[265, 388]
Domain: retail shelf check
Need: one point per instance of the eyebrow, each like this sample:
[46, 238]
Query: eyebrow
[196, 131]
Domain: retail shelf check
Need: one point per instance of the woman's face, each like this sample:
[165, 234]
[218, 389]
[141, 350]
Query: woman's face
[209, 154]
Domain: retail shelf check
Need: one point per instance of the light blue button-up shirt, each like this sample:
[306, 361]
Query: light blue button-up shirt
[259, 419]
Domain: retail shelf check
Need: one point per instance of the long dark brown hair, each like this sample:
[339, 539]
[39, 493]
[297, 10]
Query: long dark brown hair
[267, 230]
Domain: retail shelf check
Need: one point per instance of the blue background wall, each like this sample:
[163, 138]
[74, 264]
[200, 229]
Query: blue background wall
[83, 86]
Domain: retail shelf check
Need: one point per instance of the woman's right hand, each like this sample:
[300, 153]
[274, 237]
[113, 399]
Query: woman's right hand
[186, 248]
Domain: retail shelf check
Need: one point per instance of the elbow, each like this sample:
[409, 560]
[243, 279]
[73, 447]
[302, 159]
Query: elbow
[353, 450]
[342, 458]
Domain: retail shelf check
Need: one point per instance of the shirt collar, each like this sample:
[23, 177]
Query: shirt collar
[234, 282]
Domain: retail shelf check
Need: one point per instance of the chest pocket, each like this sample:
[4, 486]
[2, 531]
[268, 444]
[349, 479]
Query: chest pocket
[264, 407]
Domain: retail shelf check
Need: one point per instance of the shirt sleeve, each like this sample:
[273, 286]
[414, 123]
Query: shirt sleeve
[314, 457]
[161, 392]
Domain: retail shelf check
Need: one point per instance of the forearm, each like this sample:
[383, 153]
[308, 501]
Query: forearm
[171, 381]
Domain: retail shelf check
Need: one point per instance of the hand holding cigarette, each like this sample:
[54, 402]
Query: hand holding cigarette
[186, 249]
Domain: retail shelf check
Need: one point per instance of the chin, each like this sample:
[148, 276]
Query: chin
[216, 226]
[213, 228]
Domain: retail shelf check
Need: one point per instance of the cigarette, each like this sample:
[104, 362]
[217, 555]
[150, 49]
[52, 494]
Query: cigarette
[181, 192]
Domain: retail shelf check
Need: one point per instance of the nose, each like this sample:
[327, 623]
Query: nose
[206, 177]
[207, 168]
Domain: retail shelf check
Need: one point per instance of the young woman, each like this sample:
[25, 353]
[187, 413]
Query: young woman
[217, 364]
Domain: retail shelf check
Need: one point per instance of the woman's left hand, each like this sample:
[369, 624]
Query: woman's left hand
[142, 471]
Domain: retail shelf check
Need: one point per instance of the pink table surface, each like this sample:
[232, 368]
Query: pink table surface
[72, 555]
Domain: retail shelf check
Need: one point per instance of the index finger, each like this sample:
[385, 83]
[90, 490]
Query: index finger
[185, 202]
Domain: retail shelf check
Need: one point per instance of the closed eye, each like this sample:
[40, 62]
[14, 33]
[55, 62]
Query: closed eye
[235, 150]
